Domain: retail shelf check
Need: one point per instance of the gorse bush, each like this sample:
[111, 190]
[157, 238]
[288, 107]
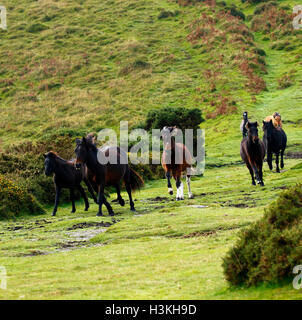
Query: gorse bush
[15, 200]
[269, 249]
[181, 117]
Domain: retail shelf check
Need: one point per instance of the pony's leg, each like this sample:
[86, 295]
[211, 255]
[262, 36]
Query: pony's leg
[256, 171]
[189, 187]
[168, 176]
[100, 199]
[270, 159]
[119, 197]
[179, 186]
[128, 189]
[58, 193]
[108, 206]
[90, 190]
[277, 162]
[282, 162]
[72, 200]
[83, 194]
[251, 173]
[261, 174]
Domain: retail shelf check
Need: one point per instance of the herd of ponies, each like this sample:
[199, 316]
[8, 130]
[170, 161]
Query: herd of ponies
[86, 167]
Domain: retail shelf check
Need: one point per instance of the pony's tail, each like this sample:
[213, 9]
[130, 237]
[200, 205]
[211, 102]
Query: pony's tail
[136, 182]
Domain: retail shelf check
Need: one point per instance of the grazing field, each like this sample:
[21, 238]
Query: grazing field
[72, 67]
[167, 250]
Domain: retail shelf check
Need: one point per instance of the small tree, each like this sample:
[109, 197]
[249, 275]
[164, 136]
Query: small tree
[181, 117]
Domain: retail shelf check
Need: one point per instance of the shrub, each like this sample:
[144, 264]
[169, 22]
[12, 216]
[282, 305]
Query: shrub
[166, 14]
[269, 249]
[36, 27]
[174, 116]
[253, 1]
[235, 12]
[285, 82]
[15, 200]
[137, 65]
[264, 6]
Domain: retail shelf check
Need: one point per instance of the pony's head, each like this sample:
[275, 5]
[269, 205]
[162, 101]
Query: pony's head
[244, 115]
[83, 146]
[90, 138]
[277, 117]
[167, 134]
[49, 163]
[252, 129]
[268, 128]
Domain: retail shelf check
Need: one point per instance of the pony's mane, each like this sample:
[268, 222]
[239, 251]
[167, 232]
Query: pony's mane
[91, 146]
[56, 155]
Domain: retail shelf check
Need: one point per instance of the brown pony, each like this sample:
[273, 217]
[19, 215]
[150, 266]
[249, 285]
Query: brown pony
[252, 152]
[107, 174]
[176, 158]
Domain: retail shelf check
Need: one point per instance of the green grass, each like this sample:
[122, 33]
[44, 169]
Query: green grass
[167, 250]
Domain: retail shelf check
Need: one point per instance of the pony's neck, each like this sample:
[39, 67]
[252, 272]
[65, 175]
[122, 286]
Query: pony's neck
[91, 159]
[59, 162]
[251, 143]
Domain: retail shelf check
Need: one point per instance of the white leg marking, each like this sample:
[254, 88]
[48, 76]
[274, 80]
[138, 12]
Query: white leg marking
[189, 187]
[181, 191]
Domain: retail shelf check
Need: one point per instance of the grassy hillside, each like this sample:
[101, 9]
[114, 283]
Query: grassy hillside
[71, 67]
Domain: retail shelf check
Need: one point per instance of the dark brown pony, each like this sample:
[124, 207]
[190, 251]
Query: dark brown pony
[275, 141]
[110, 174]
[252, 152]
[91, 138]
[176, 159]
[66, 175]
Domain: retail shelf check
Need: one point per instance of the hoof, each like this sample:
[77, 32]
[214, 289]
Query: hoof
[73, 211]
[122, 202]
[53, 214]
[179, 199]
[133, 209]
[278, 171]
[191, 196]
[170, 191]
[99, 214]
[86, 209]
[253, 183]
[111, 213]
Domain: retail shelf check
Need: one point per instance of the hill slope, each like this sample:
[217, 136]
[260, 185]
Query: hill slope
[71, 67]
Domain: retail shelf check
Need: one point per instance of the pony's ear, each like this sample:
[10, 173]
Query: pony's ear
[84, 140]
[45, 155]
[263, 122]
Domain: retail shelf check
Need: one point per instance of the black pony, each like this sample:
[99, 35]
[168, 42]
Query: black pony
[66, 175]
[252, 152]
[275, 142]
[109, 174]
